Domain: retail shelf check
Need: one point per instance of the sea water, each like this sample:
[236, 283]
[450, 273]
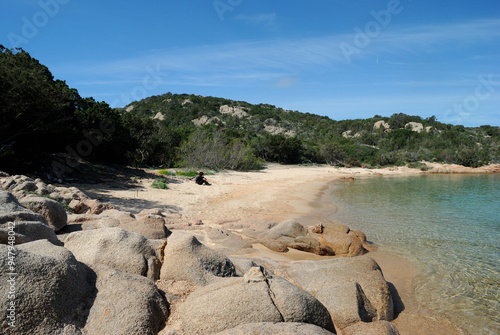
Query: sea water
[448, 226]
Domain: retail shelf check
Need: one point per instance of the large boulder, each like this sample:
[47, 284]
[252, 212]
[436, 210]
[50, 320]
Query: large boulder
[53, 291]
[343, 241]
[83, 204]
[188, 259]
[291, 234]
[126, 304]
[414, 126]
[329, 240]
[151, 226]
[289, 228]
[9, 203]
[276, 328]
[117, 248]
[27, 231]
[353, 289]
[347, 303]
[21, 223]
[51, 210]
[231, 302]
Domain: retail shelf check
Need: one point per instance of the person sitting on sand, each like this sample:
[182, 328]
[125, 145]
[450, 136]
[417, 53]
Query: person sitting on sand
[201, 180]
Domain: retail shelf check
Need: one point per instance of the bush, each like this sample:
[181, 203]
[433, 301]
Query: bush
[418, 165]
[166, 173]
[189, 173]
[215, 151]
[160, 183]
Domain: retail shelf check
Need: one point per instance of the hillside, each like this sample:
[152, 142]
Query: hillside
[293, 137]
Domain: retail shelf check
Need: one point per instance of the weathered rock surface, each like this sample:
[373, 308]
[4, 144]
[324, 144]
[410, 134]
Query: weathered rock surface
[371, 328]
[326, 240]
[28, 231]
[151, 226]
[276, 328]
[9, 203]
[289, 228]
[242, 265]
[381, 124]
[26, 225]
[353, 289]
[231, 302]
[414, 126]
[117, 248]
[51, 210]
[53, 292]
[348, 304]
[126, 304]
[344, 241]
[188, 259]
[79, 202]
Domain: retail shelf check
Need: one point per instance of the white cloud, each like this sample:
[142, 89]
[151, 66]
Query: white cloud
[276, 63]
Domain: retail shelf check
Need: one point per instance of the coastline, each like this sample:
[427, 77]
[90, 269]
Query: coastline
[411, 317]
[252, 199]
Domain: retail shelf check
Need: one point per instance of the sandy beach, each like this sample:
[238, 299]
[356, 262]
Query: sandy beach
[248, 199]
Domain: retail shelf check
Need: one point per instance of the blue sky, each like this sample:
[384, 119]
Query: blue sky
[342, 58]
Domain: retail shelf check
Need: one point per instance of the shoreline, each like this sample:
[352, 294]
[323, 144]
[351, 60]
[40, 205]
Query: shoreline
[279, 193]
[411, 317]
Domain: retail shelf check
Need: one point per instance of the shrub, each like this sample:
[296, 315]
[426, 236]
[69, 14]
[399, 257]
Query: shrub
[418, 165]
[166, 173]
[160, 183]
[190, 173]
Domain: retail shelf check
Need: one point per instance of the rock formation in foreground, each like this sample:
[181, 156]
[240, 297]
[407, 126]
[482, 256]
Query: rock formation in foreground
[105, 271]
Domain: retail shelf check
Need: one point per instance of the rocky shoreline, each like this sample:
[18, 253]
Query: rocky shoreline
[99, 272]
[84, 266]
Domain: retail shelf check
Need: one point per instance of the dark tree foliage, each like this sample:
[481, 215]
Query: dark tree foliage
[278, 148]
[36, 111]
[40, 115]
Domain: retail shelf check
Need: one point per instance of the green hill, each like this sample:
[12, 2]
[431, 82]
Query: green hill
[285, 136]
[46, 125]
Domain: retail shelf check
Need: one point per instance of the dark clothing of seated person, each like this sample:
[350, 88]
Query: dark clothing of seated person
[201, 180]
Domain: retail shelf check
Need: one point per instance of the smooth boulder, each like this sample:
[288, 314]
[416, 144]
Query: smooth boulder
[53, 291]
[9, 203]
[27, 231]
[117, 248]
[231, 302]
[51, 210]
[125, 304]
[188, 259]
[21, 223]
[353, 289]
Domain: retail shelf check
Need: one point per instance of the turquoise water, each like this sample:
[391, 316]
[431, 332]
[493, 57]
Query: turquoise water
[448, 226]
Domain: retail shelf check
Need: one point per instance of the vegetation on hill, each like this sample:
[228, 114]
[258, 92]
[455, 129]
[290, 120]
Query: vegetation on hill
[202, 124]
[43, 122]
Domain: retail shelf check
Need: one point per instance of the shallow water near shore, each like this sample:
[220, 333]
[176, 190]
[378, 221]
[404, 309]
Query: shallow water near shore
[448, 226]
